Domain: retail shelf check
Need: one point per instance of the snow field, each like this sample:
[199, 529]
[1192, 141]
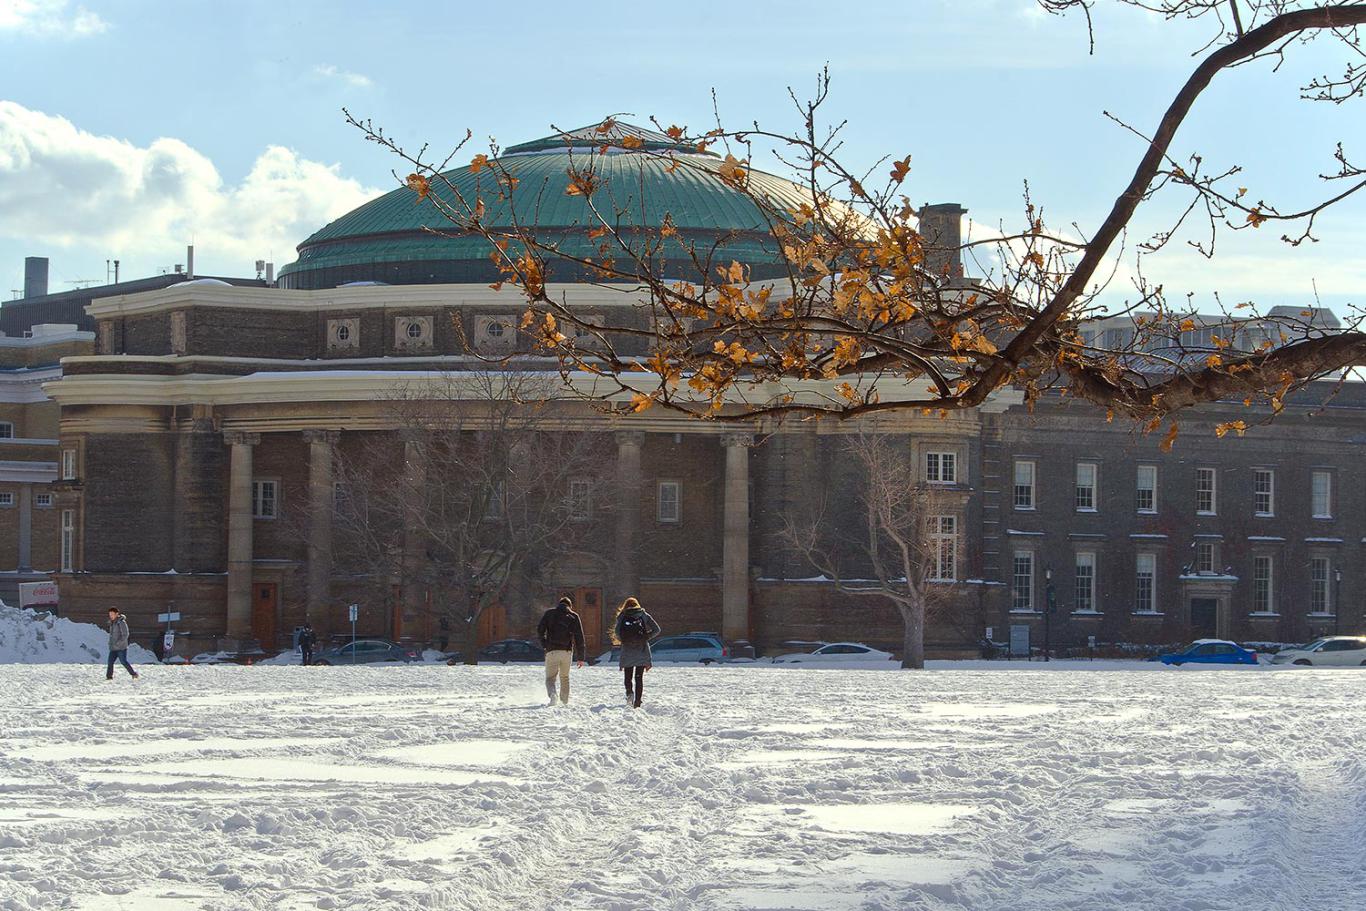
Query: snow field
[1009, 787]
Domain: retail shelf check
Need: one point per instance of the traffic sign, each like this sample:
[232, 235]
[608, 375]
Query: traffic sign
[355, 612]
[172, 617]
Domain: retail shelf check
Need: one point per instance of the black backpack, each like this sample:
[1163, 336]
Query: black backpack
[634, 628]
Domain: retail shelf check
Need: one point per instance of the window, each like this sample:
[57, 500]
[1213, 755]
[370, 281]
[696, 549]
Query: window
[343, 334]
[943, 547]
[265, 499]
[1320, 570]
[669, 502]
[6, 498]
[43, 501]
[496, 507]
[1323, 494]
[1264, 492]
[412, 332]
[1145, 584]
[1261, 585]
[6, 430]
[1024, 485]
[941, 467]
[580, 500]
[1022, 582]
[1086, 486]
[68, 539]
[1086, 583]
[1145, 495]
[1205, 491]
[1204, 556]
[415, 330]
[68, 464]
[495, 334]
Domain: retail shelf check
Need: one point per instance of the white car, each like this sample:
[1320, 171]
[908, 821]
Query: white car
[836, 654]
[1327, 651]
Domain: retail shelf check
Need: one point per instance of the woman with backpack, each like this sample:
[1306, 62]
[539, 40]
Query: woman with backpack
[633, 631]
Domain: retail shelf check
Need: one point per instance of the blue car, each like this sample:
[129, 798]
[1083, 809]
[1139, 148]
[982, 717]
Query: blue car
[1211, 651]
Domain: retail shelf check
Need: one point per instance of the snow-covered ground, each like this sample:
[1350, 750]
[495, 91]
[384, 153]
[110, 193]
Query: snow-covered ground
[978, 787]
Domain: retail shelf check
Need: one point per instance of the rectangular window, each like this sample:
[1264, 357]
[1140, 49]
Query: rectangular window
[943, 547]
[68, 464]
[1204, 557]
[669, 502]
[1024, 485]
[265, 499]
[1086, 583]
[6, 430]
[338, 495]
[580, 500]
[1145, 495]
[6, 498]
[1086, 486]
[1261, 585]
[1320, 571]
[43, 500]
[1323, 494]
[1022, 582]
[496, 507]
[1145, 584]
[68, 539]
[1264, 492]
[941, 467]
[1205, 503]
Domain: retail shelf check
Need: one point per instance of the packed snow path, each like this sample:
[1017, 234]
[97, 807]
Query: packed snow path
[748, 787]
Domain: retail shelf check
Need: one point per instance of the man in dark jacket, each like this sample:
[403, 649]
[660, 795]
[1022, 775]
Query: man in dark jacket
[118, 643]
[307, 639]
[561, 633]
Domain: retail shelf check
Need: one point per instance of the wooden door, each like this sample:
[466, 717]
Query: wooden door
[1204, 617]
[493, 624]
[588, 603]
[264, 607]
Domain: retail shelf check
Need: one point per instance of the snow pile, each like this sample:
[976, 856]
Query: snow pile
[37, 637]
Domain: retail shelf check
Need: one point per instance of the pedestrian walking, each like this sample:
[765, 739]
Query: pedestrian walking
[307, 639]
[118, 643]
[634, 630]
[561, 633]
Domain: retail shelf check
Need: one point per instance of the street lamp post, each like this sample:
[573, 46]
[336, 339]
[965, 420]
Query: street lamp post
[1337, 601]
[1050, 603]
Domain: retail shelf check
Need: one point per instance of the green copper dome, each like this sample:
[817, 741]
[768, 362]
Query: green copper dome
[388, 239]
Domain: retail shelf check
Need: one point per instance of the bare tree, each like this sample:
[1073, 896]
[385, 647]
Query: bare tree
[865, 310]
[489, 490]
[898, 541]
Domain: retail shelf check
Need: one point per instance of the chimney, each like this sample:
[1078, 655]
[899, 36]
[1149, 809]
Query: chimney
[270, 274]
[189, 261]
[941, 229]
[35, 276]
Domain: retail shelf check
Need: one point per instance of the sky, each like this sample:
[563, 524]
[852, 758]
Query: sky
[130, 129]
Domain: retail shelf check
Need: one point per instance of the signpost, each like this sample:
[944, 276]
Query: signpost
[354, 611]
[37, 594]
[168, 640]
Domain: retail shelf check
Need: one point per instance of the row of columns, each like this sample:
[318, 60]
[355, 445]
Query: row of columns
[735, 576]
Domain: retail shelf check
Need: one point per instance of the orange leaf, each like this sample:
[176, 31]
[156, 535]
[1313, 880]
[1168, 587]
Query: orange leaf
[606, 125]
[675, 133]
[478, 163]
[632, 142]
[419, 185]
[900, 169]
[1169, 439]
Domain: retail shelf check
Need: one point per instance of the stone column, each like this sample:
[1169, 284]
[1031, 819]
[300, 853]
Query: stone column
[414, 596]
[25, 528]
[735, 540]
[626, 573]
[321, 449]
[240, 546]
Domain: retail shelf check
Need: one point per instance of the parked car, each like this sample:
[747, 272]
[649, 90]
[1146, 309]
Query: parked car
[1209, 651]
[836, 654]
[690, 648]
[366, 651]
[504, 651]
[1326, 651]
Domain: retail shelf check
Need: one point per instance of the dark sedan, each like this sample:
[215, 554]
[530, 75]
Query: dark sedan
[367, 651]
[506, 651]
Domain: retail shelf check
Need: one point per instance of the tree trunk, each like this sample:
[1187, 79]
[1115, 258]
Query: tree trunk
[913, 643]
[470, 649]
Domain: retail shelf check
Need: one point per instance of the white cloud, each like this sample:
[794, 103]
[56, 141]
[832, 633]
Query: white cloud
[328, 71]
[63, 186]
[56, 18]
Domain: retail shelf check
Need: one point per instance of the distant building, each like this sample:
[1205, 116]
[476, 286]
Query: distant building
[211, 417]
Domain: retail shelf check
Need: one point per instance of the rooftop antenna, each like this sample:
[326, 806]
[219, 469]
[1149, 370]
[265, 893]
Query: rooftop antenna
[83, 283]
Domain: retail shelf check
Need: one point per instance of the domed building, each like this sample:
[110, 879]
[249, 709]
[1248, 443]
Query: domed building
[391, 239]
[211, 450]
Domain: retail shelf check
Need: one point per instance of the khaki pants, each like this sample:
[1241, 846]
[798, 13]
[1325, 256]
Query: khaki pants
[557, 664]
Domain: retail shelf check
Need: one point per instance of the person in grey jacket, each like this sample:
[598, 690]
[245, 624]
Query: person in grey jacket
[634, 630]
[118, 643]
